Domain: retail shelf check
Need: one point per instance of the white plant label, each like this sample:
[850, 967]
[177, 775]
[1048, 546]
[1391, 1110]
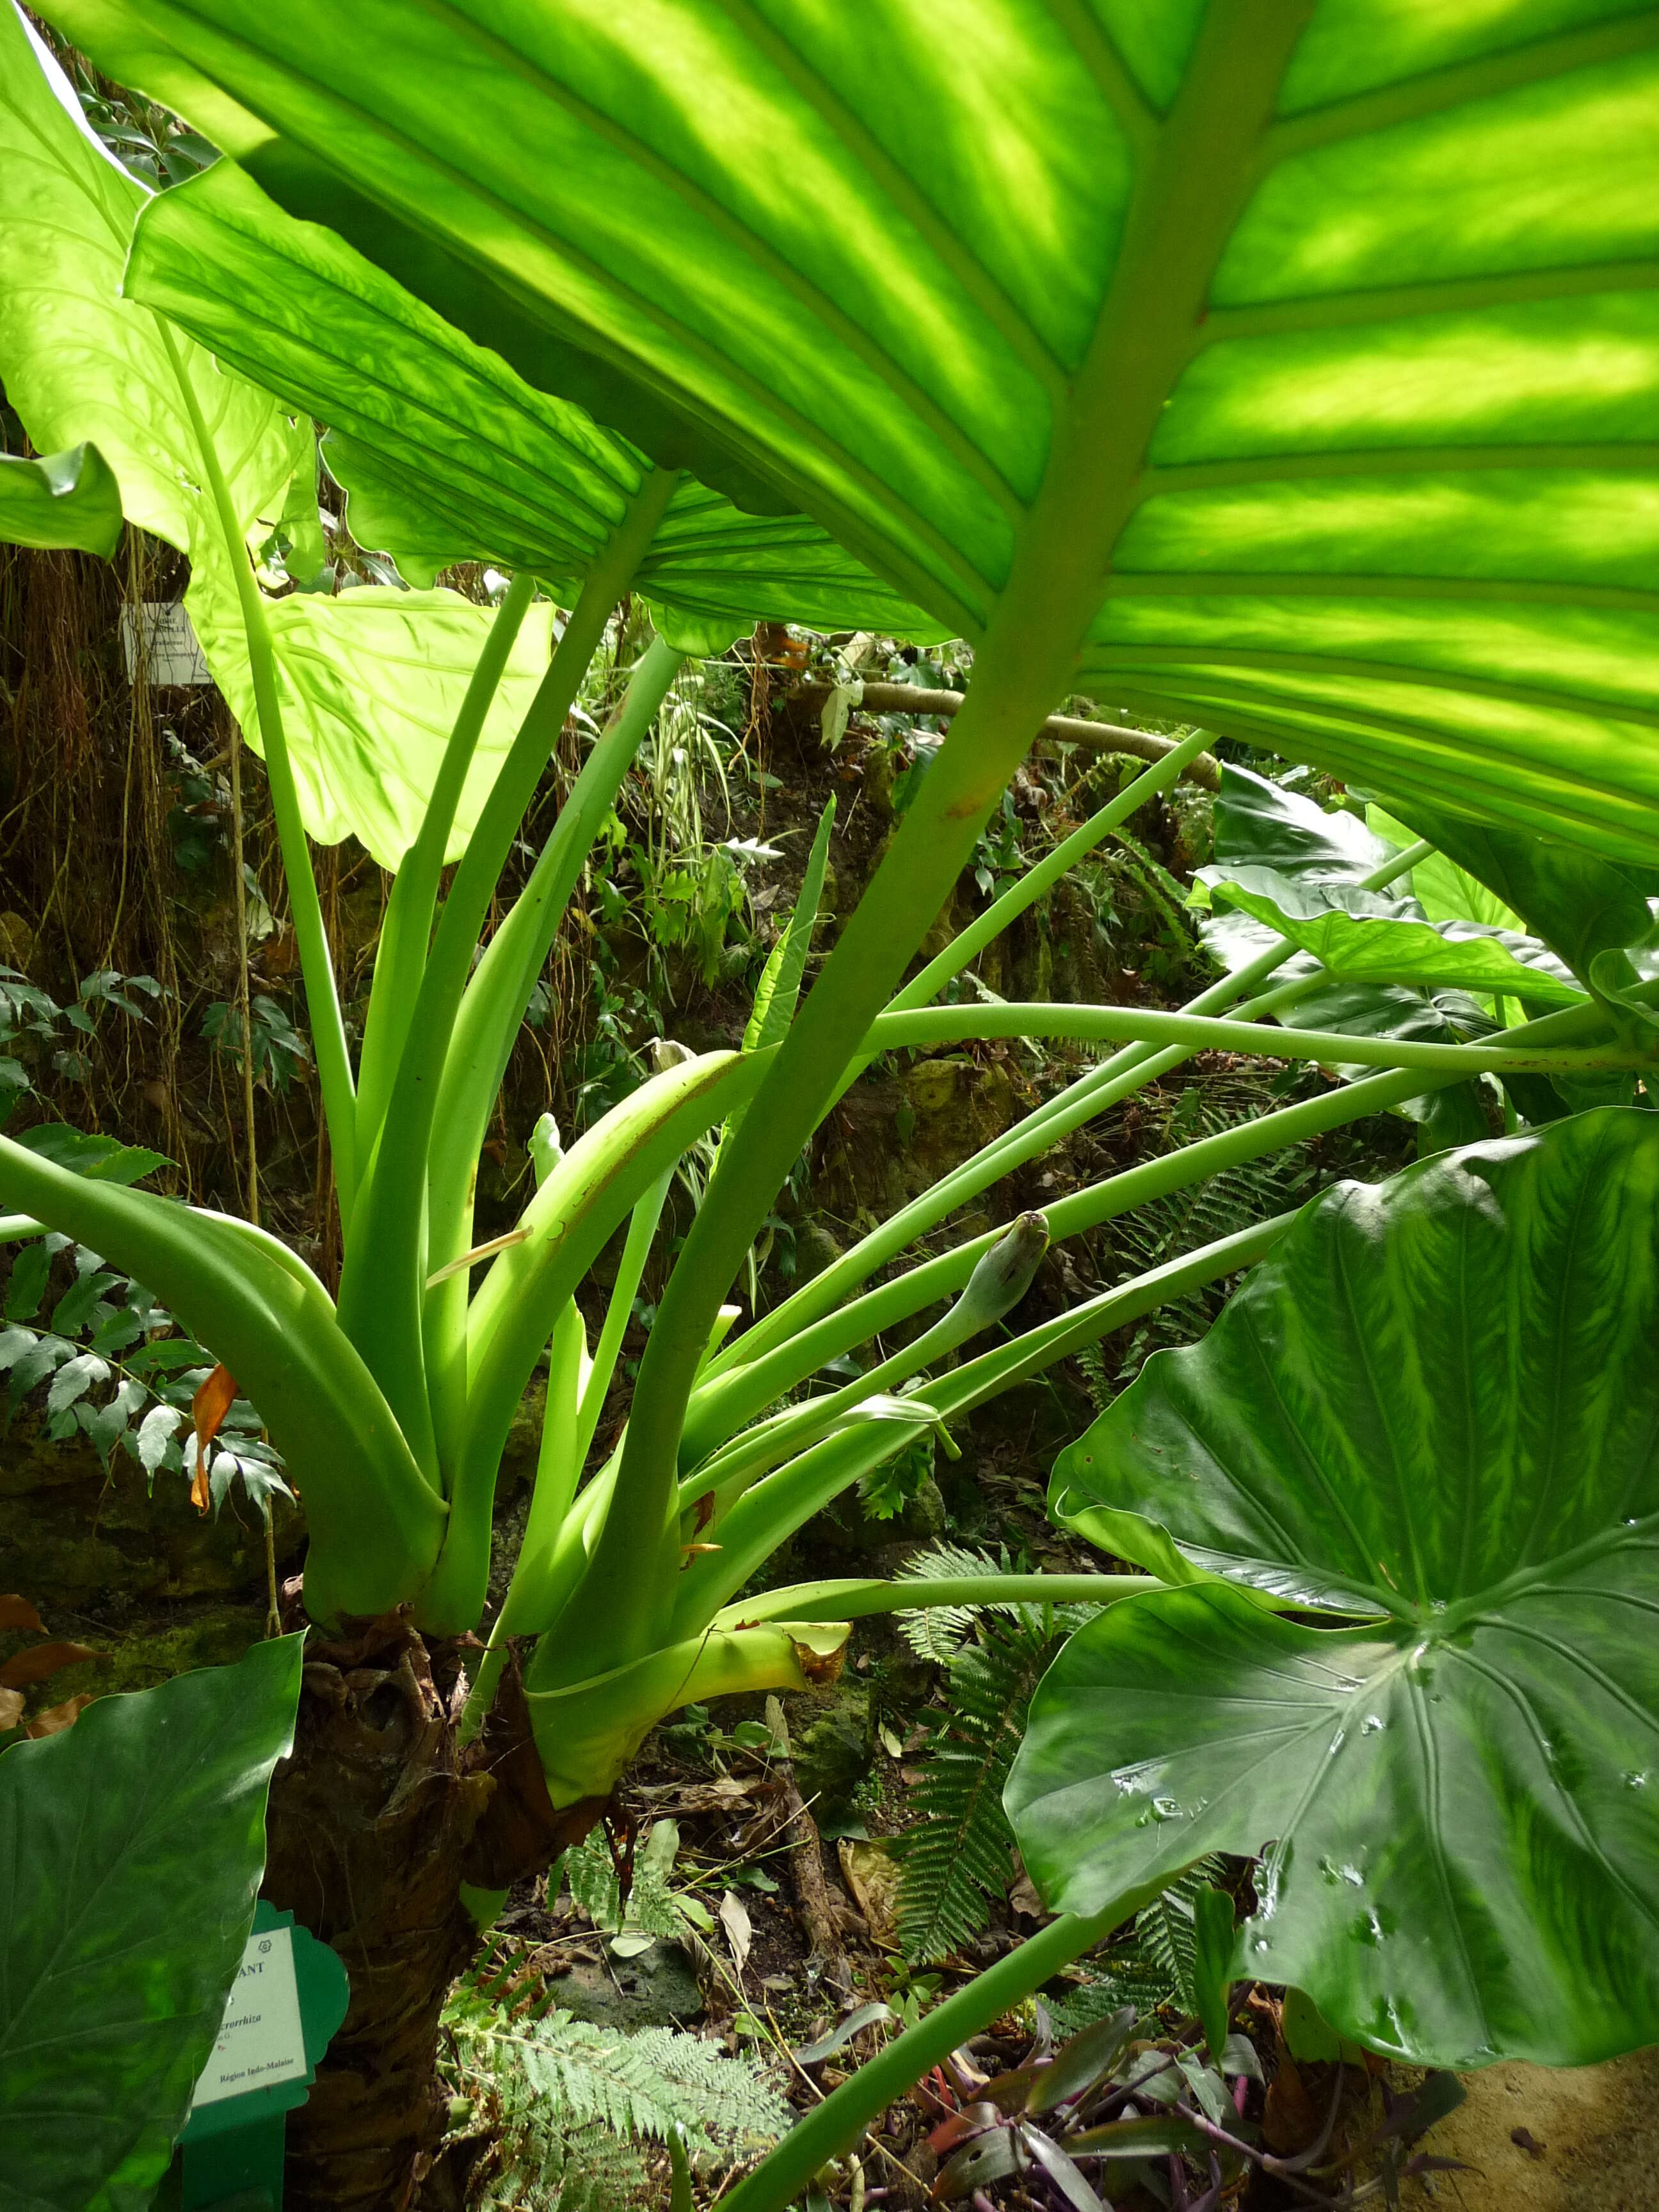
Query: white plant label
[262, 2041]
[165, 644]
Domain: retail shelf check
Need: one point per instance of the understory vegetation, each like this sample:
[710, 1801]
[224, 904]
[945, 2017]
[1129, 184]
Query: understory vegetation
[829, 1021]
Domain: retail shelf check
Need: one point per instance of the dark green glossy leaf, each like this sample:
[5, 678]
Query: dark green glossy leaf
[1443, 890]
[1578, 903]
[1286, 366]
[131, 1847]
[1375, 937]
[1309, 863]
[62, 500]
[1261, 823]
[1213, 1964]
[1436, 1405]
[446, 452]
[106, 1160]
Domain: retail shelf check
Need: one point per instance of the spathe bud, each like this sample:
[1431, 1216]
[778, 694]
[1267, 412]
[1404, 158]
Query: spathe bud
[545, 1150]
[1001, 1278]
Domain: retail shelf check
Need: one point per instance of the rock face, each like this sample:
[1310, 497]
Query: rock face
[147, 1582]
[143, 1578]
[657, 1988]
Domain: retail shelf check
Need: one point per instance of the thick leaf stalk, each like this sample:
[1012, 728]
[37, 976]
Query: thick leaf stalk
[376, 1525]
[382, 1281]
[406, 930]
[488, 1022]
[588, 1732]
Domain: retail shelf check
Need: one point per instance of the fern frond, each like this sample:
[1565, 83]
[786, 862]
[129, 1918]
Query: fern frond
[1167, 1228]
[1166, 1935]
[643, 2084]
[652, 1908]
[1104, 1990]
[960, 1854]
[535, 2164]
[939, 1632]
[1149, 1968]
[567, 2102]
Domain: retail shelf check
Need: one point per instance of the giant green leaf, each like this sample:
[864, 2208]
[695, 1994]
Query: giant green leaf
[131, 1847]
[62, 500]
[1436, 1406]
[1578, 903]
[1313, 862]
[447, 453]
[1445, 891]
[371, 681]
[1369, 936]
[77, 365]
[1289, 366]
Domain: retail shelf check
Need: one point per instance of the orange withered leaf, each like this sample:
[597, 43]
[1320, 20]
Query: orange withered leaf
[213, 1399]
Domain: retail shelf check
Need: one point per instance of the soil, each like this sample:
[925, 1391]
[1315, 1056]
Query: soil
[1539, 2141]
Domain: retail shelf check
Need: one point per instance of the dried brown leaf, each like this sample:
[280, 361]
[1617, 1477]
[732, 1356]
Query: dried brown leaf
[57, 1718]
[40, 1660]
[215, 1396]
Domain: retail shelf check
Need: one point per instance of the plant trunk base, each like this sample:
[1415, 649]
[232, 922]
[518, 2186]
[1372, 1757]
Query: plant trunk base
[522, 1831]
[368, 1827]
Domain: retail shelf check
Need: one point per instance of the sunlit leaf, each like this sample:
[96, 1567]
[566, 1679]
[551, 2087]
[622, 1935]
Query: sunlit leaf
[446, 452]
[1286, 368]
[61, 499]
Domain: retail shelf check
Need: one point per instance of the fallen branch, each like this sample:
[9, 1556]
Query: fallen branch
[1066, 729]
[817, 1910]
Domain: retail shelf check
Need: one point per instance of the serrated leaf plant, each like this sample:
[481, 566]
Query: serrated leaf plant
[1250, 364]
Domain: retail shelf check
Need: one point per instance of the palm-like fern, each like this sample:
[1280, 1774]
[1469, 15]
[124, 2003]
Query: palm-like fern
[960, 1854]
[1201, 1214]
[1151, 1965]
[567, 2103]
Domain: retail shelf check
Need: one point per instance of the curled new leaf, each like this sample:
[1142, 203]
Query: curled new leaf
[65, 500]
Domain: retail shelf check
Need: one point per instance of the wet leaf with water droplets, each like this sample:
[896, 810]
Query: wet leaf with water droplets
[1453, 1368]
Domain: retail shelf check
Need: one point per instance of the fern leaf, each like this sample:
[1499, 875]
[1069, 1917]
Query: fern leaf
[567, 2103]
[1165, 1933]
[638, 2086]
[960, 1854]
[652, 1908]
[1151, 1966]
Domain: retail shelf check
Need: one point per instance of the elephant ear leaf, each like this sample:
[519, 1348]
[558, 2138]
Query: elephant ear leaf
[131, 1848]
[64, 501]
[1578, 903]
[370, 682]
[1434, 1410]
[1245, 365]
[1367, 937]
